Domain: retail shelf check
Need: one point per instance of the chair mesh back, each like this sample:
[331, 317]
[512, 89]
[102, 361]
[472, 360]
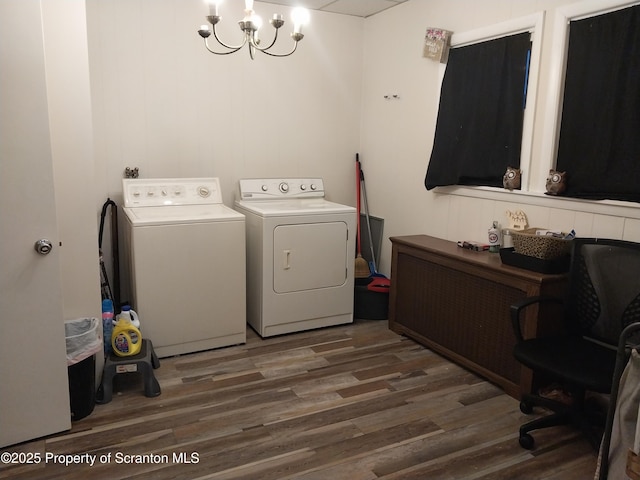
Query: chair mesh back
[604, 293]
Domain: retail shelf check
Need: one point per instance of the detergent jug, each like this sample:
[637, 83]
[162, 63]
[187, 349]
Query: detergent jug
[128, 313]
[126, 339]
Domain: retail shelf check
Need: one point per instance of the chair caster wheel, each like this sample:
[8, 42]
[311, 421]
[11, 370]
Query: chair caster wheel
[526, 441]
[526, 408]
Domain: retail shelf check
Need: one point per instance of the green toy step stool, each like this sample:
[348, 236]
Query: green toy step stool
[144, 362]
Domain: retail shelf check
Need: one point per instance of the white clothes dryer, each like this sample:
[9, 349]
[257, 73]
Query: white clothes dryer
[300, 255]
[186, 255]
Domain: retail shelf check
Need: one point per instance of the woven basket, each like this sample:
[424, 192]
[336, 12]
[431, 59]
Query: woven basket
[526, 242]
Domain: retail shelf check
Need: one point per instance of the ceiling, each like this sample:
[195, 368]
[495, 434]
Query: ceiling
[358, 8]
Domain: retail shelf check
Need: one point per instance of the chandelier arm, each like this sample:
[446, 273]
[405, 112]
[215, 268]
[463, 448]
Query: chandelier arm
[295, 45]
[233, 49]
[264, 49]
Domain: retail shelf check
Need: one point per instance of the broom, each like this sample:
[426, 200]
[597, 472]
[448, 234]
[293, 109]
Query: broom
[361, 265]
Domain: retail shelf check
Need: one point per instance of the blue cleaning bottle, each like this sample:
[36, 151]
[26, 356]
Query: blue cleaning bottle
[107, 324]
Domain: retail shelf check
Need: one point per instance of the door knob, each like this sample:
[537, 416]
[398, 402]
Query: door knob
[43, 246]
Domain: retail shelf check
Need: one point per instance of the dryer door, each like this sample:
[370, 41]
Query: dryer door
[309, 256]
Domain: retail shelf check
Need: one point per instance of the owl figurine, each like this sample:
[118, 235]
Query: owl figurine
[511, 178]
[556, 182]
[131, 172]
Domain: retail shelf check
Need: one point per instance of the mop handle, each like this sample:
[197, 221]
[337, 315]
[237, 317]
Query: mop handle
[358, 203]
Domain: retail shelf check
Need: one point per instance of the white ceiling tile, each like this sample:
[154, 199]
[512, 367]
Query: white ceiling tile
[359, 8]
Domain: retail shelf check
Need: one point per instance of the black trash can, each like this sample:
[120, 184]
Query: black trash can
[370, 304]
[82, 391]
[83, 343]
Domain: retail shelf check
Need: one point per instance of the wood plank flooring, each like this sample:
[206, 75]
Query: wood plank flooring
[355, 402]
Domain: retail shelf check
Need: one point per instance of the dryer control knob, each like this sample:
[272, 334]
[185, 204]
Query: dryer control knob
[284, 187]
[313, 186]
[264, 188]
[303, 187]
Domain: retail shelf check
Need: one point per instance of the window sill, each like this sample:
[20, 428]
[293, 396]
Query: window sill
[602, 207]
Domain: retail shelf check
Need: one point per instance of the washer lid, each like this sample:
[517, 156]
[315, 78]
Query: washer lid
[181, 214]
[293, 206]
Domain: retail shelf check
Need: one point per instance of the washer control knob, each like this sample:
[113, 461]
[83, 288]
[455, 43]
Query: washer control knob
[303, 187]
[204, 192]
[313, 186]
[284, 187]
[264, 188]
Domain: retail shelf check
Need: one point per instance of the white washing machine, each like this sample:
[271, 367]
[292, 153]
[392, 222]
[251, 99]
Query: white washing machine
[300, 255]
[186, 254]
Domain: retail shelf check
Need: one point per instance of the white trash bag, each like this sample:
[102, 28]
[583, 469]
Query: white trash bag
[83, 337]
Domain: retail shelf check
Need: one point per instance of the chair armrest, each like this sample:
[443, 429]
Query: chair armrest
[518, 307]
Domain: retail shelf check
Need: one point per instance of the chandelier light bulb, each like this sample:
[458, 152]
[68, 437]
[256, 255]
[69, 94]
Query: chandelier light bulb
[300, 17]
[213, 6]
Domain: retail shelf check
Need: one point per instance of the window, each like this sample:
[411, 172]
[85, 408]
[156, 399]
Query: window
[599, 145]
[483, 125]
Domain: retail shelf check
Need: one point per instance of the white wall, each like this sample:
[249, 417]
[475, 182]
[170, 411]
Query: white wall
[397, 135]
[164, 104]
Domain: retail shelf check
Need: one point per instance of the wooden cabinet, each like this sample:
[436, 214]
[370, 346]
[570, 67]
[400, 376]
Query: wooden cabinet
[456, 302]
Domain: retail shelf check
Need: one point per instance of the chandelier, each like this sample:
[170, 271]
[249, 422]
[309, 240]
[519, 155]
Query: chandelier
[250, 25]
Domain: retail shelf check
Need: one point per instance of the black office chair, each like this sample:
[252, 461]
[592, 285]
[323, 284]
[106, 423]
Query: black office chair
[603, 296]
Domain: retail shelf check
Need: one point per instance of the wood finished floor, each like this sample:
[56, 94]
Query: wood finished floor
[355, 402]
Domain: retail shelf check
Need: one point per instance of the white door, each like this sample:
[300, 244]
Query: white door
[34, 396]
